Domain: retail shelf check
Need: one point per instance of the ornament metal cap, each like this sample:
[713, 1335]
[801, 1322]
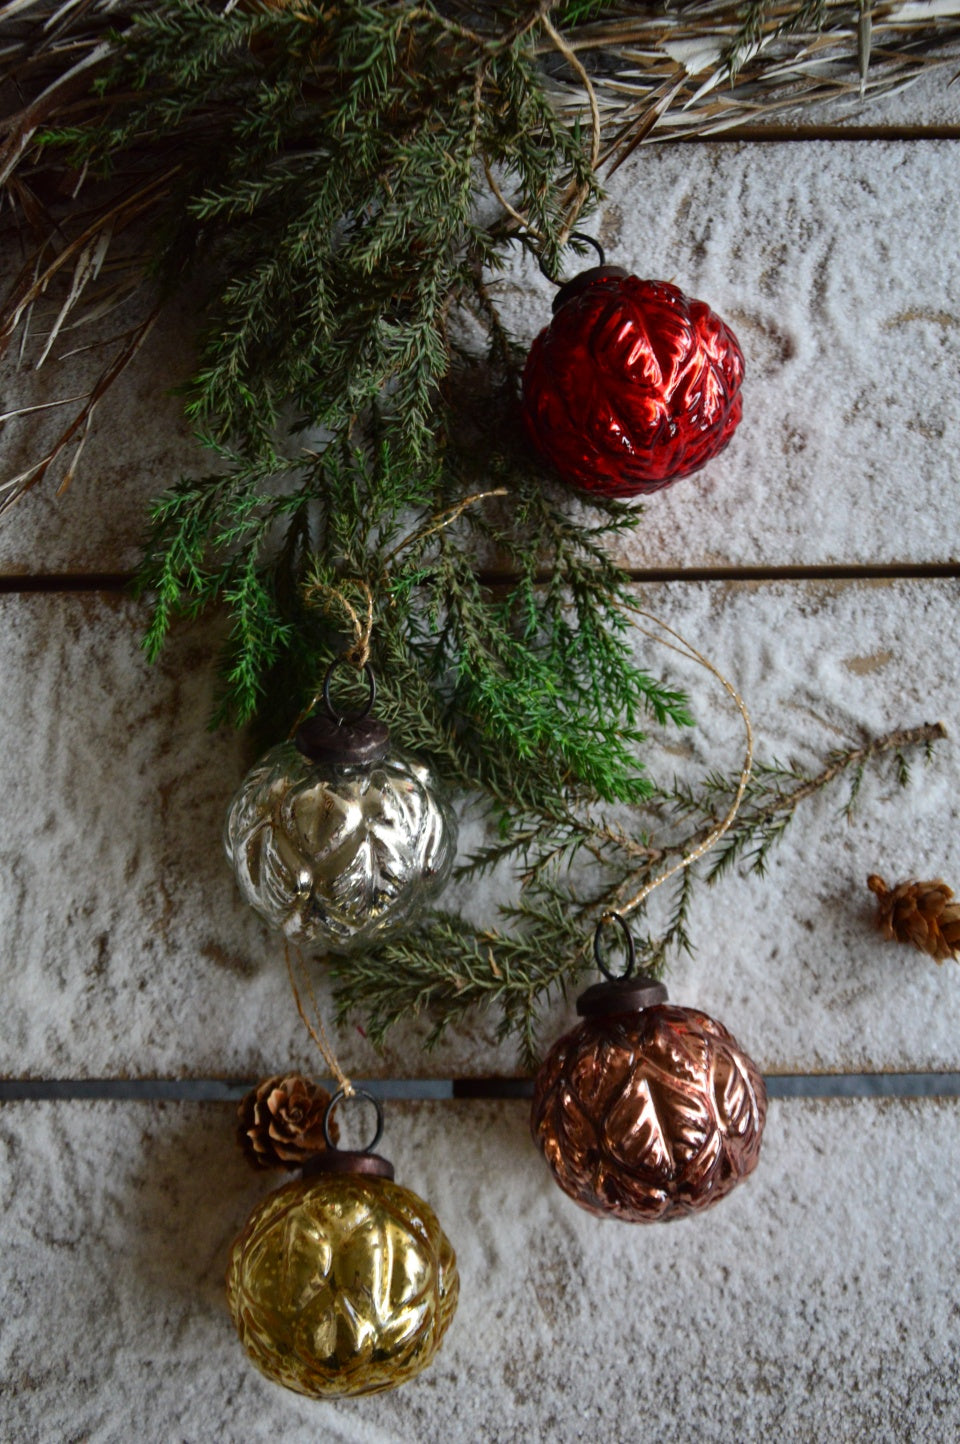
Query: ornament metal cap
[626, 992]
[344, 1160]
[358, 740]
[580, 282]
[577, 284]
[621, 995]
[347, 1160]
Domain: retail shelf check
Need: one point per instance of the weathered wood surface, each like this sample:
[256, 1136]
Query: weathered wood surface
[835, 264]
[830, 261]
[817, 1303]
[129, 951]
[931, 104]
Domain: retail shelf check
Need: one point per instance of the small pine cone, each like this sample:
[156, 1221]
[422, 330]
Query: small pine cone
[920, 913]
[281, 1121]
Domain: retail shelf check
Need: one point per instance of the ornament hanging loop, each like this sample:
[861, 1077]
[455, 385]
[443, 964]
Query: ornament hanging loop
[341, 717]
[574, 236]
[355, 1093]
[582, 281]
[625, 992]
[599, 958]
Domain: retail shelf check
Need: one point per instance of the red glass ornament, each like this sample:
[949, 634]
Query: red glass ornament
[647, 1111]
[632, 385]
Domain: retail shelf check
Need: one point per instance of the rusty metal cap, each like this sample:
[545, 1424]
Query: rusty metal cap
[626, 992]
[342, 1160]
[352, 742]
[585, 279]
[348, 739]
[621, 995]
[345, 1160]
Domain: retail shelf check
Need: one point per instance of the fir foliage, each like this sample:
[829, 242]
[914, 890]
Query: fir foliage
[329, 163]
[322, 174]
[544, 946]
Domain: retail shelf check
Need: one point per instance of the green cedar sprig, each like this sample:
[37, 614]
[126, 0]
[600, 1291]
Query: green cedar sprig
[447, 968]
[320, 172]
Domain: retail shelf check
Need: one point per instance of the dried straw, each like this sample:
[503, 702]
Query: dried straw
[643, 75]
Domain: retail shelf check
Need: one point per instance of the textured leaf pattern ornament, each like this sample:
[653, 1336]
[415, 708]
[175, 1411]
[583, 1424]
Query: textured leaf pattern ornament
[342, 1284]
[338, 856]
[649, 1115]
[632, 385]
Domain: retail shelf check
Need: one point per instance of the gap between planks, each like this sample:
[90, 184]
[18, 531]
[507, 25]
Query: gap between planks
[68, 582]
[225, 1090]
[779, 134]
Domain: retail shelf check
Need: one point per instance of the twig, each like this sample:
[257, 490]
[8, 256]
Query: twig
[716, 833]
[925, 734]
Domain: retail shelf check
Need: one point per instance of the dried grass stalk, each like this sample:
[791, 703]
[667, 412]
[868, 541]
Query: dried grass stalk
[649, 74]
[704, 68]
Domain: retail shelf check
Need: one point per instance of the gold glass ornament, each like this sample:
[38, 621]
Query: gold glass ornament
[646, 1111]
[338, 839]
[342, 1282]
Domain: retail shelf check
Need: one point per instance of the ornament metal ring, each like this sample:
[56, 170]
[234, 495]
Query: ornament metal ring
[365, 711]
[631, 947]
[575, 236]
[338, 1097]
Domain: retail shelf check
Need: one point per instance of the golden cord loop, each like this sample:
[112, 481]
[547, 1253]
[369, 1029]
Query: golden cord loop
[686, 649]
[316, 1030]
[358, 653]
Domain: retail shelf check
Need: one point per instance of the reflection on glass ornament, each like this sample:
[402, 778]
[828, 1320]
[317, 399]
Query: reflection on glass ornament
[632, 385]
[337, 838]
[342, 1282]
[646, 1111]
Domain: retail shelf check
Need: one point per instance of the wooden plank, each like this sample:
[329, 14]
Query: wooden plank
[140, 443]
[929, 104]
[816, 1303]
[128, 951]
[834, 264]
[830, 261]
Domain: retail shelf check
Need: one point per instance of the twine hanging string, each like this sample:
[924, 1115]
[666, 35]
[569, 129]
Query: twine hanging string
[332, 598]
[688, 650]
[441, 520]
[315, 1028]
[577, 194]
[577, 197]
[358, 652]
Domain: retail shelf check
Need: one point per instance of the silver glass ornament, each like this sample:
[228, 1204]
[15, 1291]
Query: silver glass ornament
[337, 838]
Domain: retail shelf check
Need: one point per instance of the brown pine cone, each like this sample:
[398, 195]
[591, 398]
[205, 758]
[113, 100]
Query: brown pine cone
[281, 1121]
[920, 913]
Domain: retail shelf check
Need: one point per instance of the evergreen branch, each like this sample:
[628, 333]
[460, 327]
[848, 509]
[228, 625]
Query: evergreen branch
[316, 170]
[448, 968]
[768, 809]
[452, 969]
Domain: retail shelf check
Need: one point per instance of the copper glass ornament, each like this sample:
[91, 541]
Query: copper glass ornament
[342, 1282]
[632, 385]
[646, 1111]
[336, 838]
